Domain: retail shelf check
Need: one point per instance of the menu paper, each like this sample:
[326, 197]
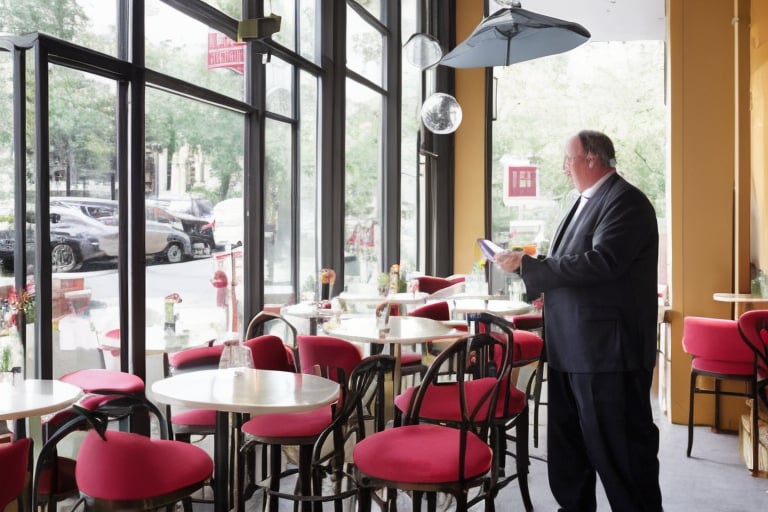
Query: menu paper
[489, 249]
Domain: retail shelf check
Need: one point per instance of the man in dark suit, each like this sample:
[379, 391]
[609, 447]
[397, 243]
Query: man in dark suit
[600, 304]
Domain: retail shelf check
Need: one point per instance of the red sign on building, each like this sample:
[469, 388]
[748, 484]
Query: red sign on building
[223, 52]
[521, 181]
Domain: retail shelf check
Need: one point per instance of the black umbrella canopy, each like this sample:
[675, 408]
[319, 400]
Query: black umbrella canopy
[515, 35]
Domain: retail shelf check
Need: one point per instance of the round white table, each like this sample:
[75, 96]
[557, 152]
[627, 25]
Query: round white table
[402, 330]
[741, 301]
[495, 307]
[309, 311]
[35, 397]
[32, 398]
[242, 390]
[160, 341]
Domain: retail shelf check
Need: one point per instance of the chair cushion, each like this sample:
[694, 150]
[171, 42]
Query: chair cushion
[65, 474]
[431, 284]
[421, 453]
[130, 466]
[702, 364]
[195, 418]
[527, 346]
[407, 358]
[296, 424]
[90, 402]
[196, 357]
[442, 403]
[102, 381]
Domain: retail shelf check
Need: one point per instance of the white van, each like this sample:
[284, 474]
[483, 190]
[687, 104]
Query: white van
[228, 218]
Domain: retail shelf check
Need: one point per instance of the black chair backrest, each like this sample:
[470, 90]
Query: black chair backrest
[482, 366]
[753, 327]
[365, 400]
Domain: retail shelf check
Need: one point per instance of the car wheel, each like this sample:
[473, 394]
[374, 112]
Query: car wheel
[63, 258]
[174, 253]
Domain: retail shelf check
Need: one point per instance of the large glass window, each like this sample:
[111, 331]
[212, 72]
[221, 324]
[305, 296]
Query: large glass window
[182, 47]
[540, 103]
[362, 198]
[308, 186]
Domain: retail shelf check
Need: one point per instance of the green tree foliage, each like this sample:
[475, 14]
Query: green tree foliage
[615, 87]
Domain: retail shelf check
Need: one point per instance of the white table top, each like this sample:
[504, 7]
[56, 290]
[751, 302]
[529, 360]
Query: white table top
[496, 307]
[246, 390]
[477, 296]
[392, 298]
[308, 310]
[404, 330]
[160, 341]
[739, 297]
[35, 397]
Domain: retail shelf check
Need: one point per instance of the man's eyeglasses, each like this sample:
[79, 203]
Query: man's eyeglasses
[568, 160]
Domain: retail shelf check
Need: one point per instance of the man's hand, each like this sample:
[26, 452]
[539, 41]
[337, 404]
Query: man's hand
[509, 261]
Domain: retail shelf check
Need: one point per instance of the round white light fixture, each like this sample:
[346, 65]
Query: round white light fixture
[423, 51]
[441, 113]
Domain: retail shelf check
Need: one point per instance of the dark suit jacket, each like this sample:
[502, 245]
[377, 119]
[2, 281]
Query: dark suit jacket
[600, 285]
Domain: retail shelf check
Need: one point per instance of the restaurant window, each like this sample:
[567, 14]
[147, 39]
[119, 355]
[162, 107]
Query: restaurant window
[185, 48]
[540, 103]
[411, 163]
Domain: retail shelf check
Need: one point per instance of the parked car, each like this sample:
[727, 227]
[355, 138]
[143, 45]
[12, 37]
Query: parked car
[162, 241]
[75, 239]
[199, 229]
[166, 237]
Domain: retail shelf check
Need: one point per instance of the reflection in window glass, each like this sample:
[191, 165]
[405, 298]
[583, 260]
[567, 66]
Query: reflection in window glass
[372, 6]
[279, 86]
[286, 10]
[90, 23]
[411, 185]
[184, 48]
[308, 187]
[362, 184]
[278, 215]
[308, 30]
[364, 48]
[193, 155]
[231, 7]
[82, 154]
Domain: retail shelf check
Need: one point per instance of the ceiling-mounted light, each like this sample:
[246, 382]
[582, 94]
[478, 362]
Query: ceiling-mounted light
[515, 35]
[423, 50]
[441, 113]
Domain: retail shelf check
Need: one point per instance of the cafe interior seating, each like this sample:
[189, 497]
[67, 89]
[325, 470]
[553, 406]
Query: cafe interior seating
[182, 425]
[329, 357]
[120, 470]
[14, 470]
[753, 328]
[442, 446]
[717, 353]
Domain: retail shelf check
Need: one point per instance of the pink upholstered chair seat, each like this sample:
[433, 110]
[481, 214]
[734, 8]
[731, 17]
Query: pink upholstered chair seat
[721, 367]
[195, 418]
[407, 358]
[527, 346]
[102, 381]
[397, 454]
[128, 467]
[441, 403]
[14, 459]
[196, 357]
[283, 425]
[65, 478]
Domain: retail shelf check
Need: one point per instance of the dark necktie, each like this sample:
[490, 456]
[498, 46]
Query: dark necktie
[564, 226]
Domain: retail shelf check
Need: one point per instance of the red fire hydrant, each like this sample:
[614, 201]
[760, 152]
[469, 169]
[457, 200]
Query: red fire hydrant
[220, 282]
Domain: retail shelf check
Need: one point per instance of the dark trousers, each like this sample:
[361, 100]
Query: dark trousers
[602, 423]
